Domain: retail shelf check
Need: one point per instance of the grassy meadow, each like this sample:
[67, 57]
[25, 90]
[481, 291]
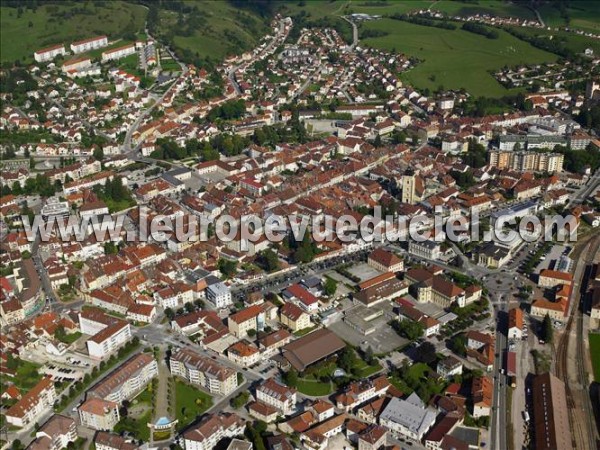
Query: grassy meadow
[454, 58]
[23, 34]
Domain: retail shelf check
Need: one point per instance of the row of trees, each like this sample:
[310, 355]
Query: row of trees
[477, 28]
[424, 21]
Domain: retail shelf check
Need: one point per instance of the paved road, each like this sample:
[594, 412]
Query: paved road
[354, 32]
[586, 190]
[271, 46]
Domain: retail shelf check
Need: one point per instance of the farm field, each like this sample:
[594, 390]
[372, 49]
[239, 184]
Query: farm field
[595, 354]
[55, 24]
[454, 58]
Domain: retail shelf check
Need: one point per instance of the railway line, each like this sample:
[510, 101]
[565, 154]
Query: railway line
[583, 433]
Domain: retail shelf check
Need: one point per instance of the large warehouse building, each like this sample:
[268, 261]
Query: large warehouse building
[312, 348]
[550, 414]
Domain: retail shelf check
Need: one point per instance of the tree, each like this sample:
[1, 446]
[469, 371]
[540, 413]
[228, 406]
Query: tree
[269, 260]
[199, 303]
[291, 378]
[98, 154]
[189, 307]
[169, 313]
[458, 344]
[60, 333]
[227, 267]
[12, 363]
[240, 400]
[547, 330]
[330, 286]
[426, 353]
[110, 248]
[409, 329]
[369, 355]
[347, 359]
[251, 332]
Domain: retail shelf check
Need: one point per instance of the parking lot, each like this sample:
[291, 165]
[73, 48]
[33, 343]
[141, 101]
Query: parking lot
[363, 271]
[383, 340]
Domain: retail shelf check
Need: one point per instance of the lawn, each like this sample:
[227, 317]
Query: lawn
[595, 354]
[313, 388]
[190, 403]
[64, 23]
[363, 370]
[70, 337]
[454, 59]
[27, 375]
[138, 427]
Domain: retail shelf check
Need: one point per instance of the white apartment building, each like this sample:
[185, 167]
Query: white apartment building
[89, 44]
[219, 295]
[202, 371]
[211, 430]
[33, 405]
[76, 64]
[277, 395]
[118, 53]
[49, 53]
[127, 381]
[425, 249]
[99, 414]
[109, 340]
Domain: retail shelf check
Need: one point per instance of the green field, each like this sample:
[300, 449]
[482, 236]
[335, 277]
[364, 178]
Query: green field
[454, 59]
[64, 23]
[496, 7]
[595, 354]
[572, 41]
[217, 29]
[190, 403]
[584, 15]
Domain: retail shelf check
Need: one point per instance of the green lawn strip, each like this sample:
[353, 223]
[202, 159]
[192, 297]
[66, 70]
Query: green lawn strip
[367, 371]
[313, 388]
[595, 354]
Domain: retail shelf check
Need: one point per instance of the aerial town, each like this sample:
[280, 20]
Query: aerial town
[114, 337]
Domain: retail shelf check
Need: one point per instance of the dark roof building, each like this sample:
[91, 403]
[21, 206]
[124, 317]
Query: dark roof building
[550, 414]
[311, 348]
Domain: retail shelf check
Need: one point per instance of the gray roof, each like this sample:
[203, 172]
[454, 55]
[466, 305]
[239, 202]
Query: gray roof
[410, 413]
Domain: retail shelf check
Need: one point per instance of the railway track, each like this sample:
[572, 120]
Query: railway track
[583, 429]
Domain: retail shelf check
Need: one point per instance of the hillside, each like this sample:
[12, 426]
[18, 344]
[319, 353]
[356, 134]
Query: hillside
[206, 30]
[24, 31]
